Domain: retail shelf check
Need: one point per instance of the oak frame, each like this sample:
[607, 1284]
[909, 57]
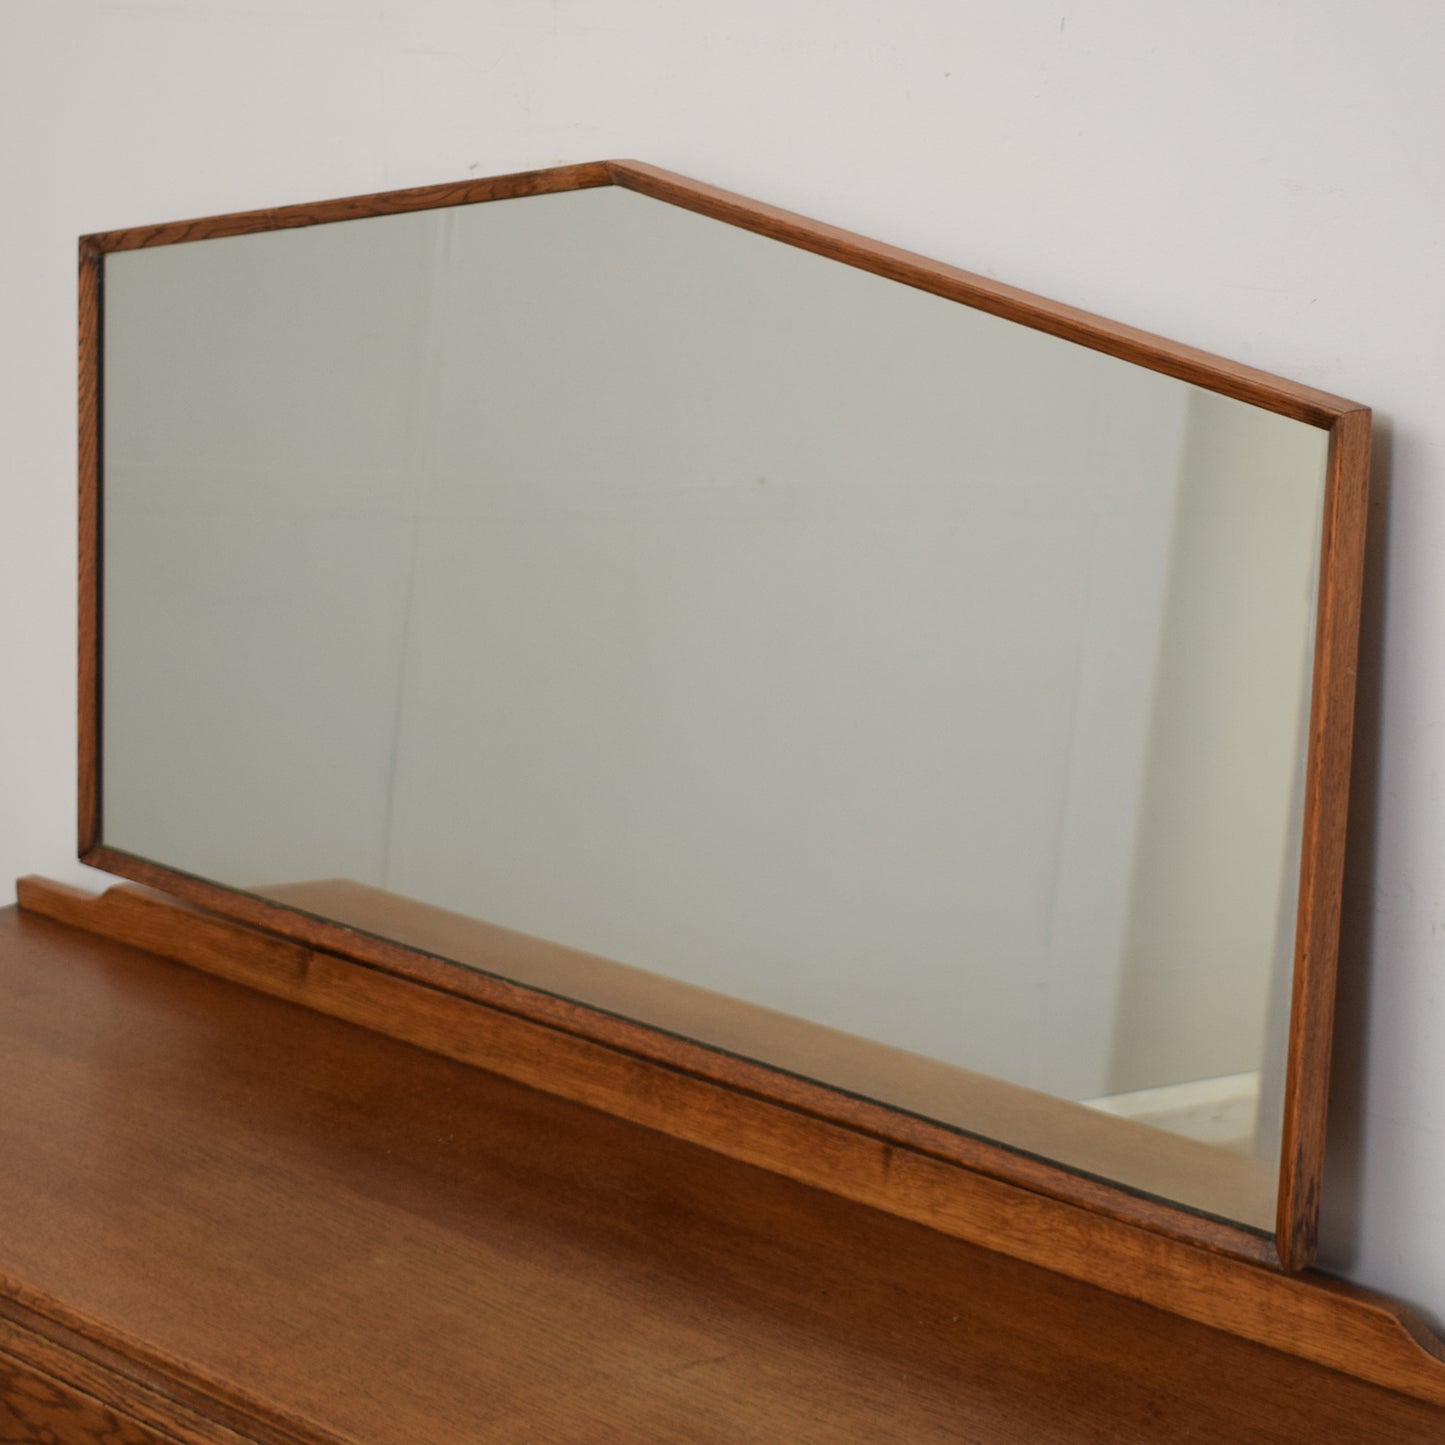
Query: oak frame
[377, 963]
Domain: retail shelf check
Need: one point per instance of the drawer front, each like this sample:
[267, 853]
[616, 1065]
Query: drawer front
[38, 1410]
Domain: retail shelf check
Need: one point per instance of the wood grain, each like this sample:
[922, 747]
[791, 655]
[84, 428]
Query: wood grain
[355, 1240]
[89, 653]
[727, 1102]
[354, 208]
[177, 1401]
[1309, 1316]
[38, 1410]
[1322, 849]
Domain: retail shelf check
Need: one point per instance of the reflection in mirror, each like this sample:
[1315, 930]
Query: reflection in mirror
[847, 664]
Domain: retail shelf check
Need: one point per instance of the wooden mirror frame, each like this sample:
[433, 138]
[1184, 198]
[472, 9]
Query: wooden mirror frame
[971, 1186]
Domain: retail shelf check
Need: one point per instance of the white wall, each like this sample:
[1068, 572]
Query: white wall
[1261, 180]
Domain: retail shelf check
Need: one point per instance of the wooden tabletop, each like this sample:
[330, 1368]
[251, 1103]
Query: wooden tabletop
[313, 1232]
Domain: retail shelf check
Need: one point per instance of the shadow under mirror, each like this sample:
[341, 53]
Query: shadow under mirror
[675, 620]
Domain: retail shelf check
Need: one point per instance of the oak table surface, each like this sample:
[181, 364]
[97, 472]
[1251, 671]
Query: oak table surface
[327, 1234]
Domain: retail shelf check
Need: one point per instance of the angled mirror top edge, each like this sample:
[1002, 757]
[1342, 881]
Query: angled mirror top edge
[673, 619]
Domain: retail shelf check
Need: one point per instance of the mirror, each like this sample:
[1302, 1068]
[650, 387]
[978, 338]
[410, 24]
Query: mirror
[674, 620]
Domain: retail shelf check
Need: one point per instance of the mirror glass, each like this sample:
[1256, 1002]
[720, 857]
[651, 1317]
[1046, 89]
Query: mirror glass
[892, 693]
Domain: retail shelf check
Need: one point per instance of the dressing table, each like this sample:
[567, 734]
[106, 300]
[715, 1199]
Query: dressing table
[306, 1142]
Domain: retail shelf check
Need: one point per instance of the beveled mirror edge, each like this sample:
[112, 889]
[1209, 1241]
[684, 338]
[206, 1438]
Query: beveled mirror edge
[1331, 717]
